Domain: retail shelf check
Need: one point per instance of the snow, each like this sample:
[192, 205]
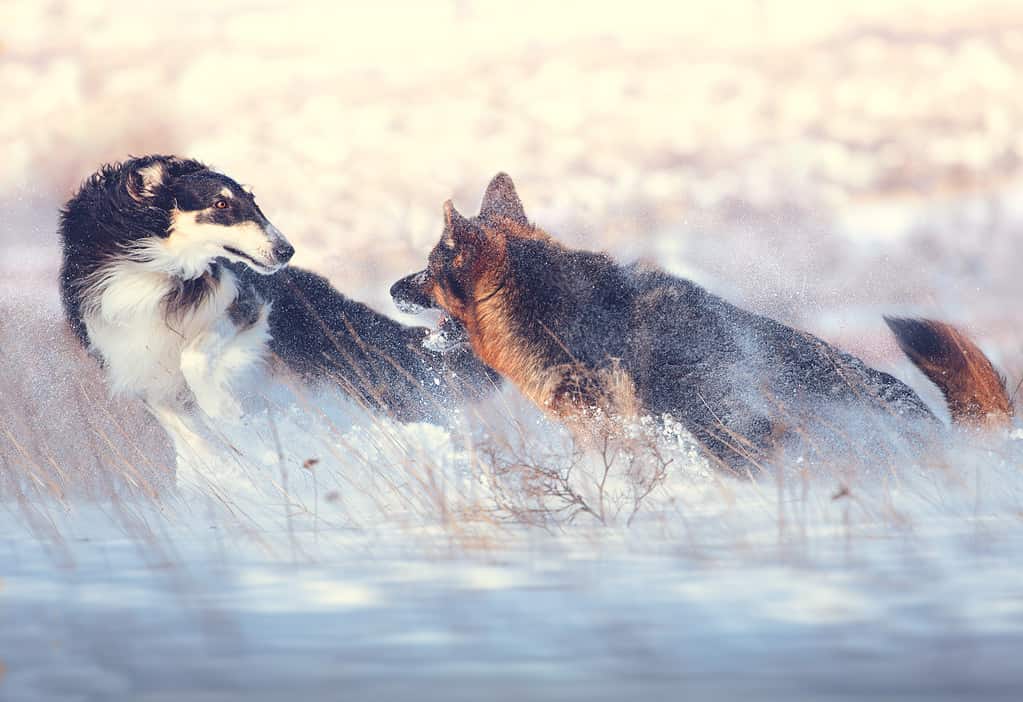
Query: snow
[823, 165]
[266, 578]
[572, 615]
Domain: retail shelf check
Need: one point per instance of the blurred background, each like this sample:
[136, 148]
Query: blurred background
[821, 163]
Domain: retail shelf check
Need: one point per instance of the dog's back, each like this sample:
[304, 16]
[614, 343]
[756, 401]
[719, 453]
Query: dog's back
[748, 385]
[745, 385]
[323, 336]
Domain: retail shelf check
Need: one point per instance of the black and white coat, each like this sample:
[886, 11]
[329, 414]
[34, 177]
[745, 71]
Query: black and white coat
[174, 278]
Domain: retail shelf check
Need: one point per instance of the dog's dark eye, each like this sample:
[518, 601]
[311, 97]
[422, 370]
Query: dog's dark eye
[220, 204]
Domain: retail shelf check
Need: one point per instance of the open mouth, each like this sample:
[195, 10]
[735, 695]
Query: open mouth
[407, 306]
[448, 335]
[253, 262]
[409, 297]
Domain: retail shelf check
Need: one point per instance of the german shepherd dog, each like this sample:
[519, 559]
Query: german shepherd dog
[580, 334]
[175, 279]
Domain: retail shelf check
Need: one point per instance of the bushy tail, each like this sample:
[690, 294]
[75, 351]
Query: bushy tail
[975, 392]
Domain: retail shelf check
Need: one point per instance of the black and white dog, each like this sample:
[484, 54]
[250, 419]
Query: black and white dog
[176, 280]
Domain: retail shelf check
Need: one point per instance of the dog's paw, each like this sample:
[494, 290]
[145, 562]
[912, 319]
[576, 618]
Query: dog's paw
[219, 404]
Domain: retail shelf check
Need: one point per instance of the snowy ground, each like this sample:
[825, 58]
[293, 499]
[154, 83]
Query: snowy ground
[822, 164]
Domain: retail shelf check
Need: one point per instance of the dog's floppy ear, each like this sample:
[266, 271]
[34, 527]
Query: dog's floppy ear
[143, 183]
[501, 200]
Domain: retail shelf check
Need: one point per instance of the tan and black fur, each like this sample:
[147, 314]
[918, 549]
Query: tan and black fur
[580, 334]
[976, 393]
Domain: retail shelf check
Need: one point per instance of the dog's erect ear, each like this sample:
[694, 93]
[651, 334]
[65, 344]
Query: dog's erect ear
[501, 200]
[143, 184]
[457, 229]
[463, 237]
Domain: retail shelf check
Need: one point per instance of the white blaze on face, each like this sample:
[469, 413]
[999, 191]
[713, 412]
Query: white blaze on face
[192, 244]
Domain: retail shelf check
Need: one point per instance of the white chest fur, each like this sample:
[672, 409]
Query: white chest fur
[161, 355]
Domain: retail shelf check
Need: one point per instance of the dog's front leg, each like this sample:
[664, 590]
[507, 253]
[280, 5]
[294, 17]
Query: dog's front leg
[221, 355]
[190, 438]
[200, 364]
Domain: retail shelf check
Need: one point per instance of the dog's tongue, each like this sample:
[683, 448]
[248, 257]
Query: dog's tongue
[448, 335]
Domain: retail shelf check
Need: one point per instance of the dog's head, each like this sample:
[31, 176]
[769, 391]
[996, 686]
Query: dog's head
[468, 266]
[209, 216]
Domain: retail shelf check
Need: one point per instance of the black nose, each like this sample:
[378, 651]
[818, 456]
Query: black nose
[398, 289]
[284, 251]
[409, 295]
[406, 290]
